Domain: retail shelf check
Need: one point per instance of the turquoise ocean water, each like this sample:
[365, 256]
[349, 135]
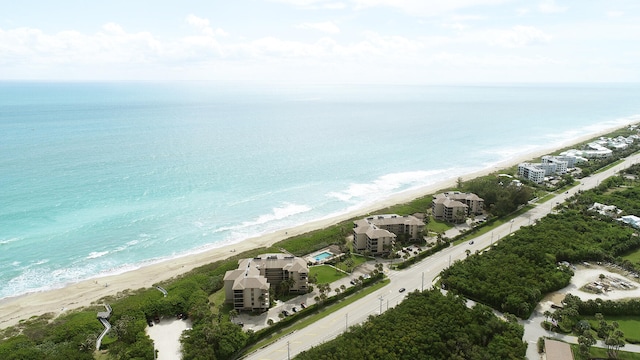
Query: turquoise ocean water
[100, 178]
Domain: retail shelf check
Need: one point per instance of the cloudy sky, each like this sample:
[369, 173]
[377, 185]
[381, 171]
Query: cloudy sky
[322, 41]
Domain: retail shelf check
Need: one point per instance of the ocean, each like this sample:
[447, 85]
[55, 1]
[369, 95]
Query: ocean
[102, 178]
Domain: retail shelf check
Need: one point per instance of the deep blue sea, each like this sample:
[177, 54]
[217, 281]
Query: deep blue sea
[100, 178]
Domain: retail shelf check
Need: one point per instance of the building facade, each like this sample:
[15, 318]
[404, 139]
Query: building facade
[247, 287]
[377, 234]
[455, 206]
[531, 172]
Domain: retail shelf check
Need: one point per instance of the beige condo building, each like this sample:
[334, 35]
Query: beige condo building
[377, 234]
[247, 287]
[455, 206]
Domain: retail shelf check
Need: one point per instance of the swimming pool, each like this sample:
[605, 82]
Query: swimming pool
[323, 255]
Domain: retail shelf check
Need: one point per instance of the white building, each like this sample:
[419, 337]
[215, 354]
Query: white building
[608, 210]
[531, 172]
[556, 165]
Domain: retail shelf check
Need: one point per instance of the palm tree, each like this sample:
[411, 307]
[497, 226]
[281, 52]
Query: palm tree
[233, 314]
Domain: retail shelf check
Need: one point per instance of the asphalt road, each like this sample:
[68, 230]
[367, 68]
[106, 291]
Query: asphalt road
[418, 277]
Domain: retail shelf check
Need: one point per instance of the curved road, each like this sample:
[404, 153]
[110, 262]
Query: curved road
[412, 279]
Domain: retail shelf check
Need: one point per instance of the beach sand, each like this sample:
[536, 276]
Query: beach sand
[84, 293]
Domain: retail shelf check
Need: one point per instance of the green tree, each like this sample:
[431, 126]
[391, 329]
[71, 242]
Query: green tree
[585, 341]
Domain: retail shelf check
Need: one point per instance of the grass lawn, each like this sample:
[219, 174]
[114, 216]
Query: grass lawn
[600, 353]
[326, 274]
[634, 257]
[438, 226]
[357, 260]
[630, 325]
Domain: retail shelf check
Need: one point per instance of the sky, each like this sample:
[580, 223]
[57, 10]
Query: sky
[322, 41]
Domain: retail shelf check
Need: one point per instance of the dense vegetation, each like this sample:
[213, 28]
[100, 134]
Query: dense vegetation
[500, 196]
[69, 337]
[617, 190]
[515, 274]
[427, 325]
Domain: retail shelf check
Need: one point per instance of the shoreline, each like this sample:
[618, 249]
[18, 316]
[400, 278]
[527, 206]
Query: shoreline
[85, 292]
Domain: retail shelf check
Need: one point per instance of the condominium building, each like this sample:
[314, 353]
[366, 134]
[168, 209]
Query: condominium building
[554, 165]
[531, 172]
[247, 287]
[570, 159]
[377, 234]
[455, 206]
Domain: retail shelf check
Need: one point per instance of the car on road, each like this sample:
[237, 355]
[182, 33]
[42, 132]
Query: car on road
[402, 290]
[471, 242]
[302, 305]
[285, 313]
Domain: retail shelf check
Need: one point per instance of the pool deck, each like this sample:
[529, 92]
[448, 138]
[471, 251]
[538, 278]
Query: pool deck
[312, 258]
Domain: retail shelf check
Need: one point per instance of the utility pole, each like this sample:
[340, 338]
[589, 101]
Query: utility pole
[288, 352]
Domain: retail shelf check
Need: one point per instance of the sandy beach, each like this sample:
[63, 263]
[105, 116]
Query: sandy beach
[84, 293]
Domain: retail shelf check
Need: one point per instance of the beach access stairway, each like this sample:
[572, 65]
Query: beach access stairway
[103, 317]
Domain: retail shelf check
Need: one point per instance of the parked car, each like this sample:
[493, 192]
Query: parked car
[294, 309]
[285, 313]
[302, 305]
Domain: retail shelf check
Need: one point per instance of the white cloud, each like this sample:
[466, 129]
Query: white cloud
[459, 22]
[550, 6]
[315, 4]
[518, 36]
[326, 27]
[204, 26]
[425, 8]
[334, 6]
[113, 28]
